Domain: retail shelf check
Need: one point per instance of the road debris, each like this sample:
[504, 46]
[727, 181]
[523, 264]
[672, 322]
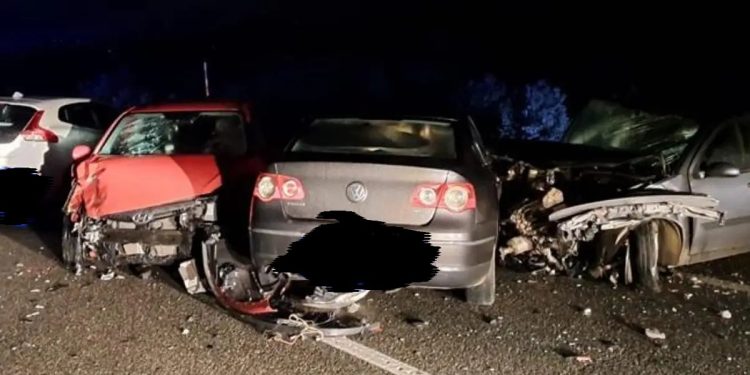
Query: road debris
[587, 311]
[189, 274]
[109, 275]
[35, 291]
[19, 265]
[725, 314]
[39, 307]
[584, 359]
[655, 334]
[185, 331]
[495, 321]
[146, 274]
[120, 277]
[688, 296]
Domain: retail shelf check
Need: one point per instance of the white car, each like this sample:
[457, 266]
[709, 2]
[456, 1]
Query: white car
[37, 135]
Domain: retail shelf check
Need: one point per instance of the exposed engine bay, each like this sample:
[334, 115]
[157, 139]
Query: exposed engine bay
[593, 220]
[153, 236]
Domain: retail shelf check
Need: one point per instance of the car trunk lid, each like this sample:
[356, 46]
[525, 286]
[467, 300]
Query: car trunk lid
[389, 189]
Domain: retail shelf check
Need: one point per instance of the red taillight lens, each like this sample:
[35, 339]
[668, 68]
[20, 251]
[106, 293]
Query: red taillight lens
[455, 197]
[271, 186]
[34, 132]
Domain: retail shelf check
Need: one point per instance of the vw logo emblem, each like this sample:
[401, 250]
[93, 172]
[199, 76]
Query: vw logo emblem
[141, 218]
[356, 192]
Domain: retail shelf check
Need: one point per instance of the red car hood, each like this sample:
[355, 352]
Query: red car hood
[115, 184]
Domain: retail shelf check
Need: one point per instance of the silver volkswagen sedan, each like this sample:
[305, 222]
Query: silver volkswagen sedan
[431, 175]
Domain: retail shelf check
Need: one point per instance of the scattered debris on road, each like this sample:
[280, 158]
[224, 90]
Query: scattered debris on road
[725, 314]
[107, 276]
[584, 359]
[35, 291]
[655, 334]
[587, 311]
[189, 274]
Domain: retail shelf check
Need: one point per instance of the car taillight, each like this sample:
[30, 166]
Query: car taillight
[426, 196]
[271, 186]
[456, 197]
[34, 132]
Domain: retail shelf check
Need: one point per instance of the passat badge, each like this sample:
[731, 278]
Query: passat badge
[356, 192]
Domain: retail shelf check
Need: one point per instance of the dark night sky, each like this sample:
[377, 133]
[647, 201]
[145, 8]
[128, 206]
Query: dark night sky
[671, 54]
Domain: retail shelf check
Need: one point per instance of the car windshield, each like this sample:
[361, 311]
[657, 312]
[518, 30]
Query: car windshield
[172, 133]
[411, 138]
[612, 127]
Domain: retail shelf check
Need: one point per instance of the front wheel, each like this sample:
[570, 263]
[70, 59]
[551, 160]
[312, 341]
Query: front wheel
[484, 293]
[647, 256]
[70, 244]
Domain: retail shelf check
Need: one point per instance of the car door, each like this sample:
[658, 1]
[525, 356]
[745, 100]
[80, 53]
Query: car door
[730, 143]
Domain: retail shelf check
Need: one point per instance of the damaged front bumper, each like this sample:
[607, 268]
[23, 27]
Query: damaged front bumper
[153, 236]
[582, 222]
[595, 235]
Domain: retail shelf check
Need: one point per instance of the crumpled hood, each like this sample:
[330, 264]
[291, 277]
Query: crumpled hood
[114, 184]
[557, 154]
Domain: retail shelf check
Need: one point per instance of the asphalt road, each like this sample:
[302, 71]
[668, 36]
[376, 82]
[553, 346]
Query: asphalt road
[54, 323]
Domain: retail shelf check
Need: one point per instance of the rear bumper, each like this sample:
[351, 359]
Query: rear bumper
[464, 260]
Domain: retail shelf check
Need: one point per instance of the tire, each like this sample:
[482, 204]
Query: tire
[647, 256]
[70, 244]
[484, 293]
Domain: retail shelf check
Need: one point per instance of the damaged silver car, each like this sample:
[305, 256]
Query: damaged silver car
[624, 193]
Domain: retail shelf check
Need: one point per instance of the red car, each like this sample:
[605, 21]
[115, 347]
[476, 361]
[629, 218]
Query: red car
[161, 178]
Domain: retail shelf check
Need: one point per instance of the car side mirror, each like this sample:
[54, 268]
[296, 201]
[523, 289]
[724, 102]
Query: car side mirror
[722, 169]
[81, 152]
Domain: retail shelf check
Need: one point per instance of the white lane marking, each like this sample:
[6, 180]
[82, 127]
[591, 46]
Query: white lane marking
[372, 356]
[719, 283]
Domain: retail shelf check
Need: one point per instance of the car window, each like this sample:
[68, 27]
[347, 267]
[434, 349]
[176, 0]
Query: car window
[171, 133]
[726, 147]
[104, 115]
[79, 114]
[13, 118]
[411, 138]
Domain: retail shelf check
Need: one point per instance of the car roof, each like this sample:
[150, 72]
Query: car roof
[40, 101]
[190, 106]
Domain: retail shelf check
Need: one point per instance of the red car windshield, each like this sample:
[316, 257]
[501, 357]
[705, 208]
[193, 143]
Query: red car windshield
[177, 133]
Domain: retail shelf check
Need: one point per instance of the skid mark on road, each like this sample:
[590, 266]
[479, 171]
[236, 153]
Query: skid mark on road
[372, 356]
